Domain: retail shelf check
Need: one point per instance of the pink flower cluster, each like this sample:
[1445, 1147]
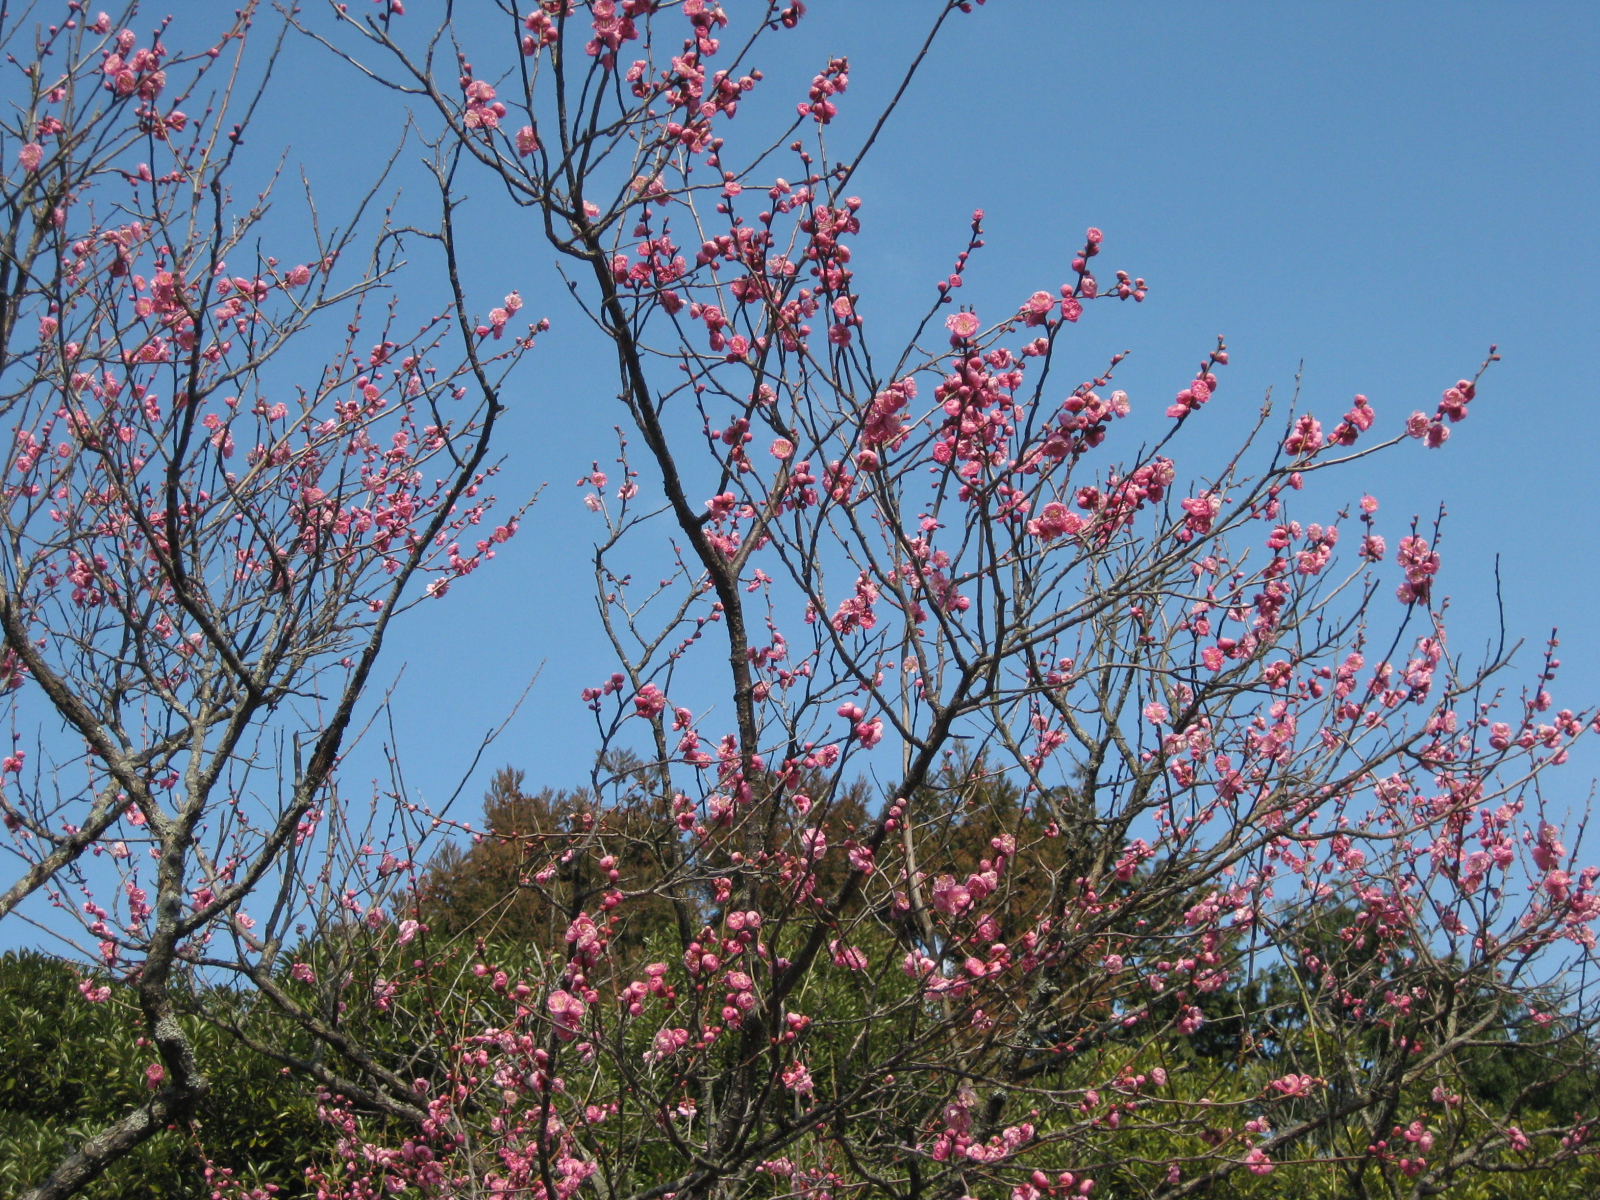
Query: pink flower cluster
[1452, 407]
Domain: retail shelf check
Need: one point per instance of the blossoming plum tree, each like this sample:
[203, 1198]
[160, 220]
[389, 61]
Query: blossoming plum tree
[1238, 762]
[204, 544]
[1193, 857]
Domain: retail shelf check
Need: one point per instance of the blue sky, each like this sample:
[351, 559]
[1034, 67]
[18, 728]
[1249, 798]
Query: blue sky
[1376, 191]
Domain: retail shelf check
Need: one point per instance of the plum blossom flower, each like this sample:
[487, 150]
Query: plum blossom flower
[1257, 1162]
[666, 1043]
[1306, 437]
[566, 1012]
[1420, 1135]
[870, 733]
[1054, 521]
[1548, 850]
[584, 938]
[1036, 308]
[1356, 422]
[1200, 513]
[950, 897]
[650, 702]
[848, 957]
[1294, 1085]
[815, 843]
[1421, 564]
[962, 325]
[855, 612]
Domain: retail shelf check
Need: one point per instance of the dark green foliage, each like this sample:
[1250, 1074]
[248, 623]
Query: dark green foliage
[71, 1067]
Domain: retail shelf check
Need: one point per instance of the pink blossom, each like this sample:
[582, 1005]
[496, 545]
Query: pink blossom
[30, 156]
[566, 1012]
[856, 612]
[962, 325]
[1200, 513]
[1356, 422]
[1294, 1085]
[815, 843]
[1036, 309]
[667, 1042]
[797, 1078]
[1306, 437]
[1418, 1134]
[1054, 521]
[650, 702]
[848, 957]
[1257, 1162]
[585, 939]
[1548, 850]
[949, 897]
[1421, 564]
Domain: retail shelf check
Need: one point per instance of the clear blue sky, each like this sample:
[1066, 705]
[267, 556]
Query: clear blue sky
[1377, 190]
